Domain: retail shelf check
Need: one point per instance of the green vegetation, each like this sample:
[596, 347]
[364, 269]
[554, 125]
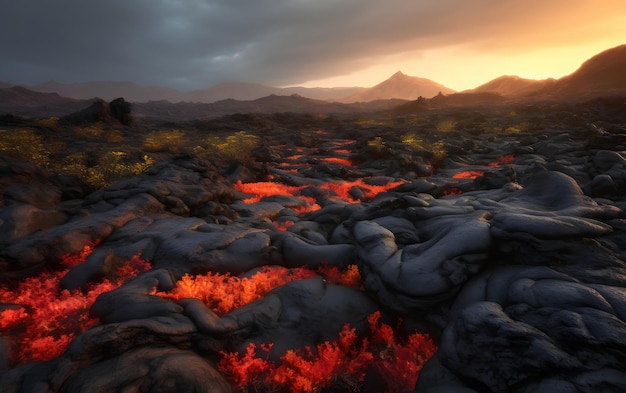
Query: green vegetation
[236, 147]
[24, 144]
[446, 126]
[172, 141]
[98, 170]
[436, 148]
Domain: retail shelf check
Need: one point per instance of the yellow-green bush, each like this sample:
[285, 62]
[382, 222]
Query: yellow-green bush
[109, 167]
[49, 122]
[437, 147]
[237, 147]
[446, 126]
[24, 144]
[172, 141]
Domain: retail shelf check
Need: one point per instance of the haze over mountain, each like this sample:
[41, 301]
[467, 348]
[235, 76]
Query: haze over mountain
[229, 90]
[398, 86]
[602, 74]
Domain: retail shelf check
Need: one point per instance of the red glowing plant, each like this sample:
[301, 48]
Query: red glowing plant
[44, 318]
[346, 360]
[225, 292]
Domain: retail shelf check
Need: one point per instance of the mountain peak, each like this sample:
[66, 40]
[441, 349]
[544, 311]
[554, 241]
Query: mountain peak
[398, 74]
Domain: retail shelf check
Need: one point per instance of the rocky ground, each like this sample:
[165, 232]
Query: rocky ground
[507, 247]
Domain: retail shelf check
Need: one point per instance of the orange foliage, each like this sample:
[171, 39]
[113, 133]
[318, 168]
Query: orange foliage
[399, 364]
[345, 360]
[71, 260]
[224, 292]
[50, 317]
[349, 278]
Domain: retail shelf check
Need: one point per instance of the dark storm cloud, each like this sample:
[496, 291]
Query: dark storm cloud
[196, 43]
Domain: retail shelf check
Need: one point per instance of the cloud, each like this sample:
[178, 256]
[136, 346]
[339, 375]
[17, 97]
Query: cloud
[196, 43]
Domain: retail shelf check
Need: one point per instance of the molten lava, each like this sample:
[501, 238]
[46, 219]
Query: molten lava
[346, 360]
[468, 174]
[225, 292]
[396, 360]
[336, 160]
[341, 190]
[42, 319]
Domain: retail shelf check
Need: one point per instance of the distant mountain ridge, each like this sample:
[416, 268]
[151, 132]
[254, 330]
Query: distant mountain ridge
[399, 86]
[602, 75]
[133, 92]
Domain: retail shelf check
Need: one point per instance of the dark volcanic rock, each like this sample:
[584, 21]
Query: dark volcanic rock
[516, 264]
[117, 110]
[305, 312]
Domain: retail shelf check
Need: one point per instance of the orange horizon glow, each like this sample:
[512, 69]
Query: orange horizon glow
[461, 68]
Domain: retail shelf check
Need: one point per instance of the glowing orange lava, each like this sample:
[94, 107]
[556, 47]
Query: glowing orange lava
[347, 359]
[468, 175]
[336, 160]
[46, 318]
[397, 360]
[225, 292]
[282, 225]
[503, 160]
[340, 189]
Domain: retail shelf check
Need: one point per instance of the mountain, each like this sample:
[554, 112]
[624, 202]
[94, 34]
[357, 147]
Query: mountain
[602, 75]
[184, 111]
[399, 86]
[512, 85]
[19, 100]
[109, 91]
[230, 90]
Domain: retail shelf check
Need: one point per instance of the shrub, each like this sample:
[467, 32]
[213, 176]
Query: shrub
[172, 141]
[446, 126]
[49, 122]
[108, 168]
[236, 147]
[437, 148]
[24, 144]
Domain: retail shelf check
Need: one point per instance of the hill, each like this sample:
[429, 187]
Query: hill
[22, 101]
[601, 75]
[399, 86]
[512, 85]
[109, 91]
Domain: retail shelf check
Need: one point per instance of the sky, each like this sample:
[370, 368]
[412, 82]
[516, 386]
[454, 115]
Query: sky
[195, 44]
